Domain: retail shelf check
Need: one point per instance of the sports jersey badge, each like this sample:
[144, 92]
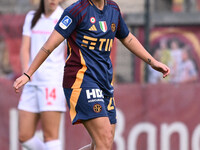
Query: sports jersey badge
[113, 27]
[92, 20]
[103, 25]
[97, 108]
[66, 21]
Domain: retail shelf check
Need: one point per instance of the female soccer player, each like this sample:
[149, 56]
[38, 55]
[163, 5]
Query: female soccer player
[43, 97]
[90, 27]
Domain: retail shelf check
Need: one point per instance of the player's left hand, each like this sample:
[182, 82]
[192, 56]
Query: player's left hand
[161, 68]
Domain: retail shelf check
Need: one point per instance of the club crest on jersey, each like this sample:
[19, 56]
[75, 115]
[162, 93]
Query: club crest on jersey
[113, 27]
[66, 21]
[92, 20]
[103, 25]
[97, 108]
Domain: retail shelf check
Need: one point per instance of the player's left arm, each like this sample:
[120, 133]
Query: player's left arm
[136, 47]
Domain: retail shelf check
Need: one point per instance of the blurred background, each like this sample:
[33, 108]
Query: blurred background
[153, 113]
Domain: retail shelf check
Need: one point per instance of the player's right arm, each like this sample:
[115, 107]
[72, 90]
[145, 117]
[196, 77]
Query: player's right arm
[25, 52]
[63, 30]
[54, 40]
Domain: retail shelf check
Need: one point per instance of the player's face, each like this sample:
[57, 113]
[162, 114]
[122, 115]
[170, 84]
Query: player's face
[51, 5]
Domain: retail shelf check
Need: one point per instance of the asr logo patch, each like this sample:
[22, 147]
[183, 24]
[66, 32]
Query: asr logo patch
[97, 108]
[113, 27]
[66, 21]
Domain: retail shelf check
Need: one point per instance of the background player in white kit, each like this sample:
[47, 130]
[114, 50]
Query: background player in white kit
[42, 98]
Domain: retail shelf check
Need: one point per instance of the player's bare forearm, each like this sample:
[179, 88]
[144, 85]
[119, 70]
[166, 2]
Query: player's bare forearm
[131, 43]
[54, 40]
[136, 47]
[39, 59]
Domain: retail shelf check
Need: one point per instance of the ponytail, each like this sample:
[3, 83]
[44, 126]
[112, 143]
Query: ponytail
[38, 13]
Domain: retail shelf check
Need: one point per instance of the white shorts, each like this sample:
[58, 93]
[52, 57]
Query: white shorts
[42, 98]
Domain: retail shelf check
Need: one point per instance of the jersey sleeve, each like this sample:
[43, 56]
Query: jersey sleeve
[122, 29]
[27, 24]
[66, 24]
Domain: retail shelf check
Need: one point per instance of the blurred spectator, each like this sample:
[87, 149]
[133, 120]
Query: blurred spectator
[176, 59]
[165, 56]
[5, 67]
[188, 70]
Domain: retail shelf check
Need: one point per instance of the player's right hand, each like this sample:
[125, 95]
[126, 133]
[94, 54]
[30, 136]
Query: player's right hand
[19, 82]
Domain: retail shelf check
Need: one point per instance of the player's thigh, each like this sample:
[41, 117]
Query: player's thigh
[100, 129]
[27, 124]
[28, 112]
[50, 124]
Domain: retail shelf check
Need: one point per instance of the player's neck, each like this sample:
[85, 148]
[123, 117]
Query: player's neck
[48, 13]
[99, 4]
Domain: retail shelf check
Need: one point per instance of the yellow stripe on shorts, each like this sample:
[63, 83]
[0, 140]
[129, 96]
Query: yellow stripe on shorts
[73, 102]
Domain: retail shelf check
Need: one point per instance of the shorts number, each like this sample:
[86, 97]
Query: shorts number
[110, 106]
[50, 94]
